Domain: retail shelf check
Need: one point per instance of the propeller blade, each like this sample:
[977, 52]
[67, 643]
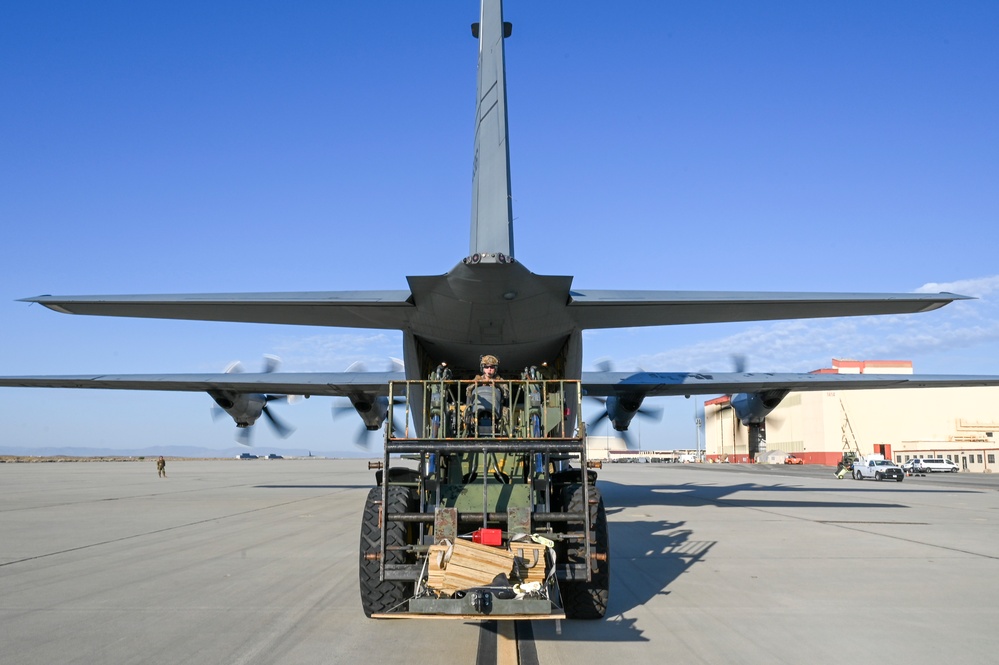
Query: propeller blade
[739, 363]
[243, 437]
[338, 407]
[651, 413]
[396, 427]
[393, 365]
[363, 437]
[282, 430]
[271, 363]
[603, 411]
[596, 421]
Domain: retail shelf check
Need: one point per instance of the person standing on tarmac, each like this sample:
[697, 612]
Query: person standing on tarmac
[161, 467]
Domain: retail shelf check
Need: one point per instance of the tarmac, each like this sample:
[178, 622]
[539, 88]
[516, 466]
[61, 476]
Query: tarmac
[256, 562]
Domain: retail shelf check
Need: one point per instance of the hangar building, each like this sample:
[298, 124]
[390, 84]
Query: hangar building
[818, 427]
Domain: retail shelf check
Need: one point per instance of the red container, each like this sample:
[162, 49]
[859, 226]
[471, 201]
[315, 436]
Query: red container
[492, 537]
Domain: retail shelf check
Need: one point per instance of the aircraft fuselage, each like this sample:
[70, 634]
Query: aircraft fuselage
[490, 307]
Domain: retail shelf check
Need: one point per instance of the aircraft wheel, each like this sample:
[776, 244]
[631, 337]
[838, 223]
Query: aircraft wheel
[582, 599]
[377, 596]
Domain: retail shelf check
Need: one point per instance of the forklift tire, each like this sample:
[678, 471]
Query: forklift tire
[377, 596]
[582, 599]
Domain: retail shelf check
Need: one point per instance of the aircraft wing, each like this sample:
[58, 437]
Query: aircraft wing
[340, 384]
[625, 309]
[391, 310]
[598, 384]
[657, 384]
[346, 309]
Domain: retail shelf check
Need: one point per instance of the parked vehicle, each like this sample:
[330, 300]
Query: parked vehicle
[930, 465]
[915, 467]
[878, 468]
[791, 459]
[246, 456]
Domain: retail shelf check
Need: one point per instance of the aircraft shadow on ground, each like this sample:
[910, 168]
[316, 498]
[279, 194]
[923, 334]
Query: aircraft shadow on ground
[657, 552]
[692, 494]
[646, 557]
[661, 551]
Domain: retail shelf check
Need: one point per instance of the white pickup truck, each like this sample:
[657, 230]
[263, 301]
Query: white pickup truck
[878, 468]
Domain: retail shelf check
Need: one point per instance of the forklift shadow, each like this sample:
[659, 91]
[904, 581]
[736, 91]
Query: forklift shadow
[647, 556]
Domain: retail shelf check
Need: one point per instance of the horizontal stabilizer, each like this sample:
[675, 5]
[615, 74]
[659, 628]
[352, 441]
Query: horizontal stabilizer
[625, 309]
[347, 309]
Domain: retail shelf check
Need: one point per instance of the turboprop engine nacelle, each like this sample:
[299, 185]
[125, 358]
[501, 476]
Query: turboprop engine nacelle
[244, 408]
[621, 410]
[753, 408]
[372, 409]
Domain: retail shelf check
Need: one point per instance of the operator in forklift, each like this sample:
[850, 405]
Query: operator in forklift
[489, 366]
[487, 396]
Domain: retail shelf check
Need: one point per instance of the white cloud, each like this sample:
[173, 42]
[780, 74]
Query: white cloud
[978, 287]
[805, 345]
[334, 352]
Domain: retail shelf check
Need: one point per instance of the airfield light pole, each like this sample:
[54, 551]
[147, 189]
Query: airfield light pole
[639, 434]
[697, 432]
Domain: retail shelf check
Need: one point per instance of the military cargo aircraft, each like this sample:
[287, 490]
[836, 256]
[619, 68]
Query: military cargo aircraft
[490, 303]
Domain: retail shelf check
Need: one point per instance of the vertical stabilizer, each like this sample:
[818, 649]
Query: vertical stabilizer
[492, 212]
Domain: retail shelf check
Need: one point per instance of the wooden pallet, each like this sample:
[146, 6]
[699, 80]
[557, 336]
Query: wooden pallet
[464, 565]
[529, 561]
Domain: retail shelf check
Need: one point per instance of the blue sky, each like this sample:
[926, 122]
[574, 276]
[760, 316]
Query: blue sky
[205, 147]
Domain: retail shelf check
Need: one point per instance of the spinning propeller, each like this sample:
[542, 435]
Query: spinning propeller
[246, 408]
[622, 408]
[373, 409]
[755, 408]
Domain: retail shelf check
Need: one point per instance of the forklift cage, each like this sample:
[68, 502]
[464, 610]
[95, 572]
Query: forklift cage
[537, 424]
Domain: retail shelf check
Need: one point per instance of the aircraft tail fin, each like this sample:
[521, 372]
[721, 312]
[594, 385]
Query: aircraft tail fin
[492, 211]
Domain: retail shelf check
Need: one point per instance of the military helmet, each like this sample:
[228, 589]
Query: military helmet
[488, 360]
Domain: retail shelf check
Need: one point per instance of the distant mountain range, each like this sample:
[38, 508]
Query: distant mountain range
[171, 451]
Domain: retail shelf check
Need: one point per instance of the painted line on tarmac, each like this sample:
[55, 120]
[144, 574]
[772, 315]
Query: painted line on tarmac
[526, 648]
[486, 654]
[506, 643]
